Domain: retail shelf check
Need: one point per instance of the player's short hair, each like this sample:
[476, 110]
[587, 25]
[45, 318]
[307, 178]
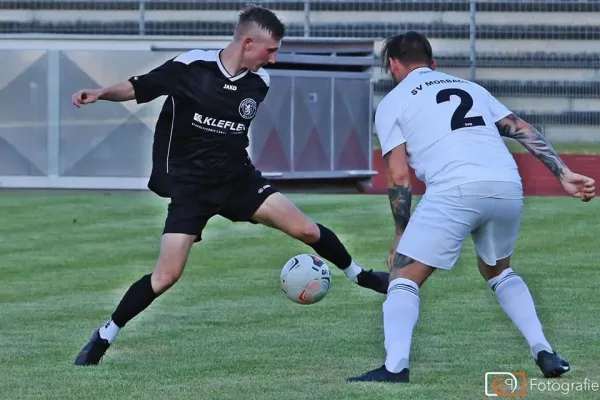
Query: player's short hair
[409, 47]
[264, 18]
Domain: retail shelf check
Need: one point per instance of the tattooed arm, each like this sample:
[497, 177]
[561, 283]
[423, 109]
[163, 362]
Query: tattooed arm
[393, 148]
[400, 196]
[577, 185]
[399, 189]
[515, 128]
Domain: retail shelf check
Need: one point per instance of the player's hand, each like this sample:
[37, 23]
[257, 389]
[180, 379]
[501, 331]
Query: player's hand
[85, 96]
[393, 251]
[579, 186]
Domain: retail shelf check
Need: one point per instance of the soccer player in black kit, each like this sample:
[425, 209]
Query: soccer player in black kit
[200, 161]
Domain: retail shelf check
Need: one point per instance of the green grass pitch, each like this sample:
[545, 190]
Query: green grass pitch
[226, 331]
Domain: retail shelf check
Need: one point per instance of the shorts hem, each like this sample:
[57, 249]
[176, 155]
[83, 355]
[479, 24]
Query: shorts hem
[496, 258]
[188, 232]
[422, 260]
[251, 209]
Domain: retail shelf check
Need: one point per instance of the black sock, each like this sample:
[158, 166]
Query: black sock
[330, 248]
[139, 296]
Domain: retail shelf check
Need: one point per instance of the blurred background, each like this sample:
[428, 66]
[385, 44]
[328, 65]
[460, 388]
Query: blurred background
[540, 58]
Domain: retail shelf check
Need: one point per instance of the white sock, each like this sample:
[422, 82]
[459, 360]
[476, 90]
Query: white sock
[516, 301]
[400, 315]
[352, 271]
[109, 331]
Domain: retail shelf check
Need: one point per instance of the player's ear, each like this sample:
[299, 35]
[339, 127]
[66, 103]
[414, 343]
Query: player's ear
[247, 43]
[433, 64]
[393, 65]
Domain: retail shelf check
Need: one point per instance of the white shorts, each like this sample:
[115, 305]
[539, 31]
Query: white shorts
[488, 211]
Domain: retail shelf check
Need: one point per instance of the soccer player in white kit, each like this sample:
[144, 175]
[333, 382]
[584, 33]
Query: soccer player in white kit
[449, 130]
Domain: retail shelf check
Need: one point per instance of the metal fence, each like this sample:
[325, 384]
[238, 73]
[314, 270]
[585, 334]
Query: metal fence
[541, 56]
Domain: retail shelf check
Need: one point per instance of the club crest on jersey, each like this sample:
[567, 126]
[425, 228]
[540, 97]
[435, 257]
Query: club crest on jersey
[247, 108]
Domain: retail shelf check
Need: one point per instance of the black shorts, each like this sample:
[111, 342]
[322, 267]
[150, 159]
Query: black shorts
[192, 206]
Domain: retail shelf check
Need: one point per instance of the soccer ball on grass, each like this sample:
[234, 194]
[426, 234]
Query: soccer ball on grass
[305, 279]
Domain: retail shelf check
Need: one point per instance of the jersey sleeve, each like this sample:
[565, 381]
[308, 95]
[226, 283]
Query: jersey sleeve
[163, 80]
[497, 109]
[388, 130]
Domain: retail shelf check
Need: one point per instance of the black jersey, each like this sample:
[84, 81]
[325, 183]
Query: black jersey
[201, 134]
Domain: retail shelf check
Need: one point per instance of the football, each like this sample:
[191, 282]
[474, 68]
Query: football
[305, 279]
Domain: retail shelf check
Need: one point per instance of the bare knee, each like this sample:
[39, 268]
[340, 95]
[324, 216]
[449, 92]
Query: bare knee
[171, 262]
[307, 232]
[165, 276]
[491, 271]
[280, 213]
[407, 268]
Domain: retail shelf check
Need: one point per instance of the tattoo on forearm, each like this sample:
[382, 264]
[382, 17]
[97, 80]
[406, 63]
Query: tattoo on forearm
[533, 141]
[400, 201]
[400, 196]
[401, 261]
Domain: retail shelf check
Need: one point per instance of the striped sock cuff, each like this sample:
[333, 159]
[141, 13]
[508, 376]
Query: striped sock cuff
[496, 281]
[402, 284]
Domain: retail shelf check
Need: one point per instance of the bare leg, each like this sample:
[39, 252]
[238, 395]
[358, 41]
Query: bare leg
[516, 301]
[278, 212]
[400, 316]
[171, 261]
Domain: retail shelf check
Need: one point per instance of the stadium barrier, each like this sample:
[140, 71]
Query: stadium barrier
[316, 122]
[539, 57]
[536, 178]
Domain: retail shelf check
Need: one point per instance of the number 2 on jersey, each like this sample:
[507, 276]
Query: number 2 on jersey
[459, 118]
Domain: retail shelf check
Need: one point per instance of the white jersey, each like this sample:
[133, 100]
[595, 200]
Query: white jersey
[448, 125]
